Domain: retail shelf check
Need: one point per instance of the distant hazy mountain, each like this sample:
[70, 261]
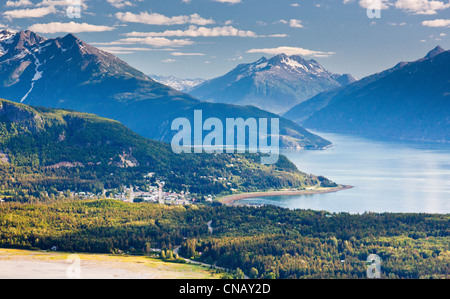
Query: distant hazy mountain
[67, 73]
[409, 101]
[275, 84]
[183, 85]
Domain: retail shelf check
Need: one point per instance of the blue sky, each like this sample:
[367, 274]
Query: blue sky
[207, 38]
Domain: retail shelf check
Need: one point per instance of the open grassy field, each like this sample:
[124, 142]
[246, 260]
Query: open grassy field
[55, 265]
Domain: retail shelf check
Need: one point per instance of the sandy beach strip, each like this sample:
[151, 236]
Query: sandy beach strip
[231, 199]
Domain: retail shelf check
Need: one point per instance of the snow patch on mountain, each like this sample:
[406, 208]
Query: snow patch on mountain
[37, 75]
[6, 36]
[293, 64]
[261, 66]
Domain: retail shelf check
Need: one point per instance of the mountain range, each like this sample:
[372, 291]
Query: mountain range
[410, 101]
[66, 72]
[276, 84]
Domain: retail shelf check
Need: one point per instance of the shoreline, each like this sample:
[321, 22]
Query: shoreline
[231, 199]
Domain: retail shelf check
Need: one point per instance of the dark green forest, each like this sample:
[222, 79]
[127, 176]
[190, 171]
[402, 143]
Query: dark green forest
[45, 150]
[266, 242]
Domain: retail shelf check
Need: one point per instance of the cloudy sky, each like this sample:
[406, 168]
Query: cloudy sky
[207, 38]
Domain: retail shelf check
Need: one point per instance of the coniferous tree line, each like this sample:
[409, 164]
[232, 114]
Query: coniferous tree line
[266, 242]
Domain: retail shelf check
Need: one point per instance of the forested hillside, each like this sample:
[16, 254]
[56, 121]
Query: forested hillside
[44, 151]
[265, 242]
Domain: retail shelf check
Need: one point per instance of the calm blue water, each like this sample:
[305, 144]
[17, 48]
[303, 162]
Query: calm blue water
[387, 176]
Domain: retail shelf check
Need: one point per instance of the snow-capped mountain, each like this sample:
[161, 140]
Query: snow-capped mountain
[275, 84]
[183, 85]
[62, 71]
[65, 72]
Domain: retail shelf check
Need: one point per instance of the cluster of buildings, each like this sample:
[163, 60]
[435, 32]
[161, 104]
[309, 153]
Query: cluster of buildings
[151, 194]
[156, 195]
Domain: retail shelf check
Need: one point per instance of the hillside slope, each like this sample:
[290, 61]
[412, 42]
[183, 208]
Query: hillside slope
[67, 73]
[42, 148]
[410, 101]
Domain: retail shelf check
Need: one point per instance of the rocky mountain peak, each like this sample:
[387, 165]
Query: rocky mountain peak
[76, 46]
[26, 38]
[274, 84]
[346, 79]
[284, 59]
[13, 43]
[296, 63]
[71, 40]
[436, 51]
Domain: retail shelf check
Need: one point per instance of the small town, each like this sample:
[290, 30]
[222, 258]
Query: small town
[151, 194]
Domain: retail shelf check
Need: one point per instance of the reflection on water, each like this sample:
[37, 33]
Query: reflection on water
[387, 176]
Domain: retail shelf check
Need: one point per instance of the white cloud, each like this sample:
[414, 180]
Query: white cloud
[278, 35]
[419, 7]
[127, 50]
[120, 3]
[151, 41]
[294, 23]
[168, 60]
[20, 3]
[71, 27]
[238, 57]
[159, 19]
[423, 7]
[291, 51]
[396, 24]
[123, 50]
[187, 54]
[228, 1]
[437, 23]
[383, 4]
[41, 9]
[63, 3]
[194, 31]
[29, 12]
